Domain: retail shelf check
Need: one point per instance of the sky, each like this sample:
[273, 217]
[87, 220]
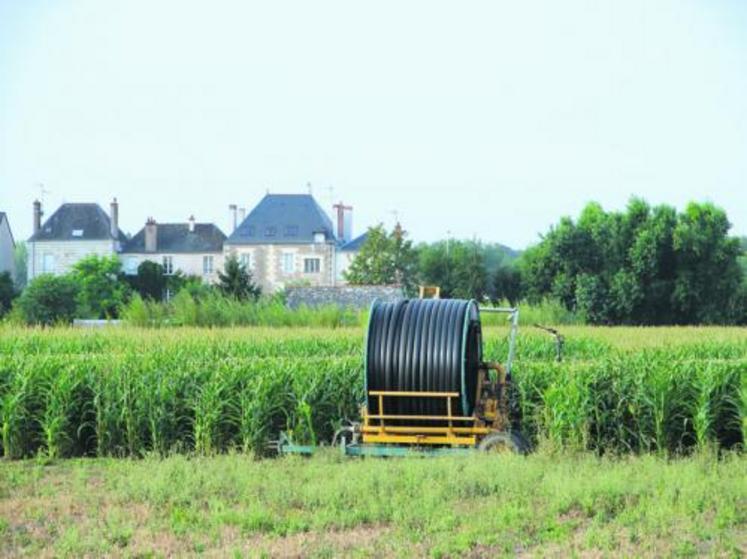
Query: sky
[461, 119]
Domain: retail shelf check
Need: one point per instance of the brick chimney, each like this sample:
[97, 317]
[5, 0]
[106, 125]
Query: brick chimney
[37, 216]
[344, 222]
[114, 218]
[151, 234]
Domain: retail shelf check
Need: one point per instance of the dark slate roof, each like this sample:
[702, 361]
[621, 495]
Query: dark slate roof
[354, 245]
[176, 237]
[4, 217]
[89, 219]
[283, 219]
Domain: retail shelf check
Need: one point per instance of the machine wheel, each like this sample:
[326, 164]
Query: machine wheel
[501, 442]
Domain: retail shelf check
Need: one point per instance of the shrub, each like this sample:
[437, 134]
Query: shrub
[49, 299]
[7, 292]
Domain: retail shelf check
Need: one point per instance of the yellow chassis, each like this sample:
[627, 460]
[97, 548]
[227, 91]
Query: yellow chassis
[490, 415]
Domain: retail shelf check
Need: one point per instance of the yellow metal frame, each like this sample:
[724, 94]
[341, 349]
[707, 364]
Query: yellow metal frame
[376, 430]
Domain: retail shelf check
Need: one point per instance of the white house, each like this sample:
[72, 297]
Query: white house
[71, 233]
[7, 247]
[195, 249]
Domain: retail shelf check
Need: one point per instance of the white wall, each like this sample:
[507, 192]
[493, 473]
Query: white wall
[7, 252]
[62, 255]
[190, 264]
[344, 259]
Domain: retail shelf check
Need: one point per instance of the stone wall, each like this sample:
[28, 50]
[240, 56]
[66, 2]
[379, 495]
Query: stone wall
[355, 296]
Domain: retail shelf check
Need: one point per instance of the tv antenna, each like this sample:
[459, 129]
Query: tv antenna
[42, 191]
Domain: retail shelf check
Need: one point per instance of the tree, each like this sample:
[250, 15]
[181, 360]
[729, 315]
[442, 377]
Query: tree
[102, 290]
[384, 259]
[7, 292]
[507, 285]
[150, 281]
[642, 266]
[20, 257]
[49, 299]
[236, 281]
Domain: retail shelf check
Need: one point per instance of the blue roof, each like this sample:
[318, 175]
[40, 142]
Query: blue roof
[355, 244]
[73, 222]
[283, 219]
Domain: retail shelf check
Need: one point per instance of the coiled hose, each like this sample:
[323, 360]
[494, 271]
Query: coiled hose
[424, 345]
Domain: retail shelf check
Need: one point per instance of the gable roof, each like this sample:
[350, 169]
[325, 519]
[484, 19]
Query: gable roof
[283, 219]
[4, 217]
[88, 221]
[354, 245]
[176, 237]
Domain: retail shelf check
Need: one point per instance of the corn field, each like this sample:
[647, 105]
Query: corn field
[132, 391]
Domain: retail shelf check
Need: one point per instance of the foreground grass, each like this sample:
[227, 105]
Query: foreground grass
[482, 506]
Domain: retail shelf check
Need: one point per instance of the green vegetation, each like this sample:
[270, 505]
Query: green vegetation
[49, 300]
[385, 259]
[7, 292]
[236, 281]
[129, 392]
[481, 506]
[642, 266]
[101, 291]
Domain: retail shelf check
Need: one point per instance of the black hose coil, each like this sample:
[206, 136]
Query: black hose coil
[424, 345]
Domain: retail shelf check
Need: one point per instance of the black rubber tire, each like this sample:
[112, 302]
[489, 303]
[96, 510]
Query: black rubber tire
[506, 441]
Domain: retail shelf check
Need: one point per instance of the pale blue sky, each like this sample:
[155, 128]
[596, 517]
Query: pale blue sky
[479, 118]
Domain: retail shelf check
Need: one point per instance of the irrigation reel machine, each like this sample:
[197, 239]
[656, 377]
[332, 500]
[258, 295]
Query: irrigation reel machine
[429, 391]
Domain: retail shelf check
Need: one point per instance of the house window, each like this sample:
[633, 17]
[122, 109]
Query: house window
[48, 263]
[289, 262]
[318, 237]
[207, 265]
[168, 265]
[291, 230]
[271, 231]
[131, 266]
[77, 232]
[311, 265]
[245, 259]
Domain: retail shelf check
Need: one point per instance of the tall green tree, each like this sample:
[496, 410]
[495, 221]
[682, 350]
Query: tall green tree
[101, 288]
[150, 281]
[384, 259]
[236, 281]
[507, 285]
[21, 257]
[641, 266]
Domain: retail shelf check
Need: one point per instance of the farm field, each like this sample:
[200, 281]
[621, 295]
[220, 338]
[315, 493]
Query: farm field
[131, 392]
[542, 505]
[638, 435]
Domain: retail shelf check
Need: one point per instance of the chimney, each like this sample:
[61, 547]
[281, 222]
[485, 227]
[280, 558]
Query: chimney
[232, 209]
[114, 218]
[37, 216]
[192, 224]
[151, 233]
[242, 215]
[344, 221]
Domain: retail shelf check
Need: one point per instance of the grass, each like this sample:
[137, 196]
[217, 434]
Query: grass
[328, 506]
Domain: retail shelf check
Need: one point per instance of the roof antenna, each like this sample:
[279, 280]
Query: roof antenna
[42, 191]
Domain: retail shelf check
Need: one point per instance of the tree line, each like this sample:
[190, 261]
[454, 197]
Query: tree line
[645, 265]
